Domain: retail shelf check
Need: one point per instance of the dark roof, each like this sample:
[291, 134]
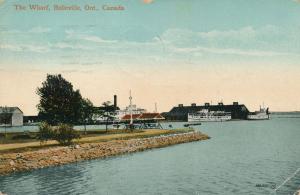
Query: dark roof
[35, 118]
[192, 109]
[9, 109]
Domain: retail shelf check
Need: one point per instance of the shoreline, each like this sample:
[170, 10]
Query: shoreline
[60, 155]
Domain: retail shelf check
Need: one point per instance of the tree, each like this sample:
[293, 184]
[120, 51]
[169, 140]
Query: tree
[87, 112]
[107, 109]
[59, 102]
[5, 117]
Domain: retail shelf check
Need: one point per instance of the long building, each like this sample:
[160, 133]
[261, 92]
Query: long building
[180, 112]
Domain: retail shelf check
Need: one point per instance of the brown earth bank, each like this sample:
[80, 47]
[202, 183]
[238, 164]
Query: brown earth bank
[59, 155]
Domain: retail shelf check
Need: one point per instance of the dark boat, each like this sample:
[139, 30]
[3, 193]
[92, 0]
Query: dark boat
[191, 124]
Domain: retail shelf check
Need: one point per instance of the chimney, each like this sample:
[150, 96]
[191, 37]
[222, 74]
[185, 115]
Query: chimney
[206, 104]
[193, 104]
[115, 101]
[235, 103]
[180, 105]
[220, 104]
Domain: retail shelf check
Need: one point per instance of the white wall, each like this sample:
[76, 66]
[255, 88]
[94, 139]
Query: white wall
[17, 119]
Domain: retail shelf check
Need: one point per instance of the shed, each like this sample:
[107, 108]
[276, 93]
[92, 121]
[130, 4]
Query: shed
[11, 116]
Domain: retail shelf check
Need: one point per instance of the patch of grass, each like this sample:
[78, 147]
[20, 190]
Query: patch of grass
[92, 138]
[22, 137]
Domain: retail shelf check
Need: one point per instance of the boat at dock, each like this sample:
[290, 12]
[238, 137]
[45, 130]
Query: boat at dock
[261, 114]
[206, 115]
[192, 124]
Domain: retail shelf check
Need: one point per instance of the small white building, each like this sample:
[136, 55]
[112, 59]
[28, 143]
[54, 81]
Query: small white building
[11, 116]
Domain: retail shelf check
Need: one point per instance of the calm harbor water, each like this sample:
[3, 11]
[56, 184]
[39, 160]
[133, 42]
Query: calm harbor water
[242, 157]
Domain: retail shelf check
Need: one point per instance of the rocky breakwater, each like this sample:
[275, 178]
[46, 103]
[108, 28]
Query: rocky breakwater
[28, 160]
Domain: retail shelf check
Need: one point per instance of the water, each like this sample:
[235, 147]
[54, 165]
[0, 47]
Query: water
[242, 157]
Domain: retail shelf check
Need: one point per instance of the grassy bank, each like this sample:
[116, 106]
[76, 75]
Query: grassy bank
[18, 142]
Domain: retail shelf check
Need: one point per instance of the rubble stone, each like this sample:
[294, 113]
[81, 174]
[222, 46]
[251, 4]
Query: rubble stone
[28, 160]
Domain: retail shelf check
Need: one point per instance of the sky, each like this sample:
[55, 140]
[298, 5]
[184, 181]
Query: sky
[167, 52]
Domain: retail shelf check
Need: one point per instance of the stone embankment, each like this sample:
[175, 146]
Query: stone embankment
[28, 160]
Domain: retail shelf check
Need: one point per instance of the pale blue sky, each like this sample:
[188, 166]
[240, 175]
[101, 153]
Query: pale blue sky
[200, 35]
[197, 31]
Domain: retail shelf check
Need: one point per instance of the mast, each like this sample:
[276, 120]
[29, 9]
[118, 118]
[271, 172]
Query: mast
[130, 100]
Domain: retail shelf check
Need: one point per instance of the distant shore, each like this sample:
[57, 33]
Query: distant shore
[58, 155]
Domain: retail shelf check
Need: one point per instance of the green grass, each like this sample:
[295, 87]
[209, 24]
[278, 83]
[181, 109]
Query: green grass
[29, 141]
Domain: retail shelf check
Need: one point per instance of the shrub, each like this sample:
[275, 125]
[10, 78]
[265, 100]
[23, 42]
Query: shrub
[45, 132]
[65, 134]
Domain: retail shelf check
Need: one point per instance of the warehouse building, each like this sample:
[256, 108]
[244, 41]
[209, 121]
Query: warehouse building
[180, 112]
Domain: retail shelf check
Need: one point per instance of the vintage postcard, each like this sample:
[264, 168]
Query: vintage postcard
[181, 97]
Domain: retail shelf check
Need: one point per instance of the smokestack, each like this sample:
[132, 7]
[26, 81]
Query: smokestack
[115, 101]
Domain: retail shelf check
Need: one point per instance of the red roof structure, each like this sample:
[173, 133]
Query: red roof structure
[127, 117]
[151, 116]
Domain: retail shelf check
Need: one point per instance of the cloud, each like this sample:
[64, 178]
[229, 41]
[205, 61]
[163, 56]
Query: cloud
[25, 47]
[183, 35]
[10, 47]
[39, 29]
[245, 32]
[34, 30]
[172, 44]
[230, 51]
[16, 47]
[96, 39]
[36, 48]
[63, 45]
[248, 41]
[85, 36]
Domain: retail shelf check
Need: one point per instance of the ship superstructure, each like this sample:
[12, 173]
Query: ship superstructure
[205, 115]
[261, 114]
